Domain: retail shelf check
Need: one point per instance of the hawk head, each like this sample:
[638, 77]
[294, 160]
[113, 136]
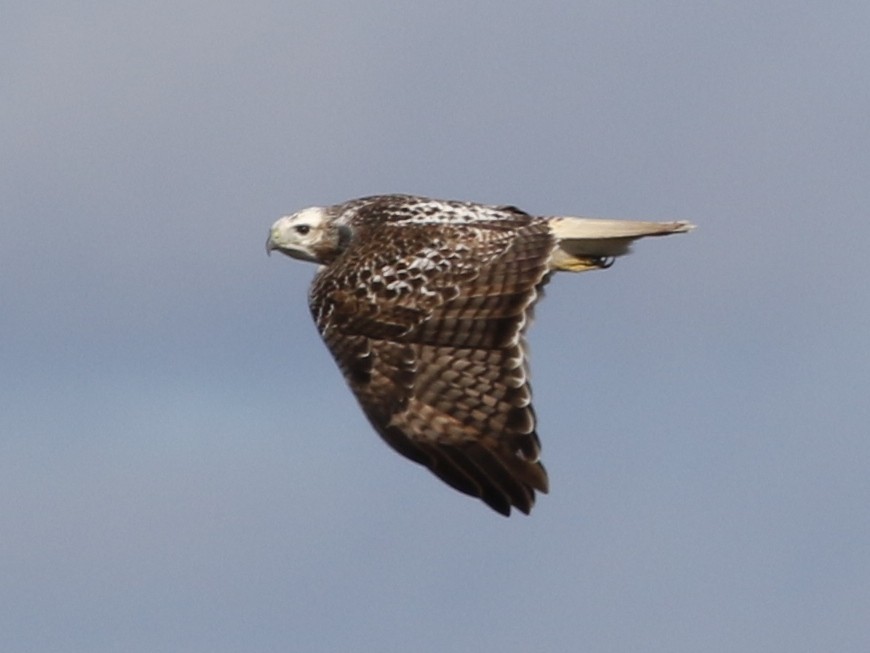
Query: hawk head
[309, 235]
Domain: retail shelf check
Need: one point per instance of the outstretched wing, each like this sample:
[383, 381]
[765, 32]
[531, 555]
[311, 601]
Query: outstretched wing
[426, 322]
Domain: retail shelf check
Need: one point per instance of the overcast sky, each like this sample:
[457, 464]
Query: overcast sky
[181, 465]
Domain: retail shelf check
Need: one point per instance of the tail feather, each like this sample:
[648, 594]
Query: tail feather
[587, 243]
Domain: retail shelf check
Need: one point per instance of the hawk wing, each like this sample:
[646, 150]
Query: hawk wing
[426, 322]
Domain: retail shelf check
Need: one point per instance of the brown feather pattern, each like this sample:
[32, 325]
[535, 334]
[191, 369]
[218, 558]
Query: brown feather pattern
[424, 312]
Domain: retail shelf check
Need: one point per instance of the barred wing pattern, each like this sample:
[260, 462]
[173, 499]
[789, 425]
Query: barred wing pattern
[426, 323]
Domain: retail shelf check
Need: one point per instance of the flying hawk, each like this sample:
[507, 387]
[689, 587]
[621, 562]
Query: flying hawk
[424, 304]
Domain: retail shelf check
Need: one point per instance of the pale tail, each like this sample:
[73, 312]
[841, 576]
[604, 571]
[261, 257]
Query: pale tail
[587, 243]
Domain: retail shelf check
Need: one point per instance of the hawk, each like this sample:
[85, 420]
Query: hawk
[424, 304]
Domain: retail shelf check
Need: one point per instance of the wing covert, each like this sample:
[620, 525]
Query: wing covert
[427, 327]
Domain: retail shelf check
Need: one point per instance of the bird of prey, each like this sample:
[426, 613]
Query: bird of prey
[424, 305]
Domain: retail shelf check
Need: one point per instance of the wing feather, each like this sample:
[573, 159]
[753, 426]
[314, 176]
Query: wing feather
[426, 323]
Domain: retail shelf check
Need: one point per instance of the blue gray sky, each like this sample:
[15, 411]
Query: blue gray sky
[181, 465]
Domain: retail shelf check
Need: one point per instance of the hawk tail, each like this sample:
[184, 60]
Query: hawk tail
[589, 243]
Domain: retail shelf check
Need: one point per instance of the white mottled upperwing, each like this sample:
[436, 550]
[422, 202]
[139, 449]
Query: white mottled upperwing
[424, 312]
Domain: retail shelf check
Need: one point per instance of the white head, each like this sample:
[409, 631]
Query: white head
[306, 235]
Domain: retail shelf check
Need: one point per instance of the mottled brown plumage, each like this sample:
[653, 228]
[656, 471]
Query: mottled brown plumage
[424, 304]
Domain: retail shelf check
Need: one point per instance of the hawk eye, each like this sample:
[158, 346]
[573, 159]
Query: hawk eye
[302, 229]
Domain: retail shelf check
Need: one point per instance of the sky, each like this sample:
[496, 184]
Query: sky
[182, 468]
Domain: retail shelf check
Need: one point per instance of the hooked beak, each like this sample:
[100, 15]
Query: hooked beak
[274, 240]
